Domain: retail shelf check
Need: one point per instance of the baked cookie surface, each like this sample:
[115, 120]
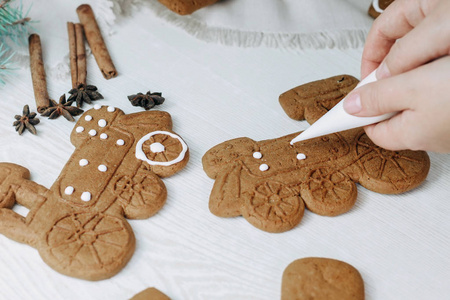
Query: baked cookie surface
[150, 294]
[186, 7]
[270, 182]
[78, 225]
[316, 278]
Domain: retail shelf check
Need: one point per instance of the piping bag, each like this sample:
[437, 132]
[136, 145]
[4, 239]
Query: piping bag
[337, 119]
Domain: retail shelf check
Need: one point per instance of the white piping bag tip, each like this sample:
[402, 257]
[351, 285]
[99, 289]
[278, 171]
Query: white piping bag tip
[337, 119]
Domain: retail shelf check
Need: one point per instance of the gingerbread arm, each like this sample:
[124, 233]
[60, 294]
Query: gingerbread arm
[225, 195]
[312, 100]
[149, 120]
[13, 226]
[222, 155]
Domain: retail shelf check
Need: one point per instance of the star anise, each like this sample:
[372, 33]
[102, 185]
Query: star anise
[147, 100]
[54, 110]
[84, 93]
[26, 121]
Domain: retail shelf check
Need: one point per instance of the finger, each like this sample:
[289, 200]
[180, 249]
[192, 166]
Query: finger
[389, 134]
[427, 41]
[398, 19]
[382, 96]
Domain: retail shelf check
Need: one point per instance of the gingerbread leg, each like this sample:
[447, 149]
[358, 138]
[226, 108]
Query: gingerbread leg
[13, 226]
[11, 176]
[141, 196]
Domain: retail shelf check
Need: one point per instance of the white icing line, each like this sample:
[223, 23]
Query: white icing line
[103, 136]
[376, 6]
[264, 167]
[86, 196]
[79, 129]
[102, 168]
[141, 155]
[157, 147]
[69, 190]
[257, 155]
[301, 156]
[88, 118]
[102, 123]
[92, 132]
[120, 142]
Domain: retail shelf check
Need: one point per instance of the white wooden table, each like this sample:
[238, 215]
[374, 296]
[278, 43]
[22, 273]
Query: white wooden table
[400, 244]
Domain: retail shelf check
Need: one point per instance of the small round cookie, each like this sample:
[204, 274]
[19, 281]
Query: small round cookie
[318, 278]
[150, 293]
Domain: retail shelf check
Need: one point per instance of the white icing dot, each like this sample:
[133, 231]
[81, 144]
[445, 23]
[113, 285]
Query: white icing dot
[264, 167]
[102, 168]
[86, 196]
[92, 132]
[97, 106]
[88, 118]
[102, 123]
[111, 108]
[120, 142]
[79, 129]
[257, 155]
[83, 162]
[301, 156]
[157, 147]
[69, 190]
[103, 136]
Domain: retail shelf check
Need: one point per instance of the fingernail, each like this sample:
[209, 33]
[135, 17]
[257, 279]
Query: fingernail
[383, 71]
[352, 104]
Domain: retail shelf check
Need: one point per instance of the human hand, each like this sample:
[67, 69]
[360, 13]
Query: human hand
[408, 83]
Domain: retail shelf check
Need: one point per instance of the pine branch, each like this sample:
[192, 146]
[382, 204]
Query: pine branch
[14, 23]
[14, 28]
[5, 63]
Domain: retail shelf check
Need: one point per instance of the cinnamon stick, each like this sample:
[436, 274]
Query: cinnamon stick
[81, 55]
[95, 40]
[38, 73]
[77, 54]
[72, 53]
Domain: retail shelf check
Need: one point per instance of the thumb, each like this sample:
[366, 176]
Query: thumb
[379, 97]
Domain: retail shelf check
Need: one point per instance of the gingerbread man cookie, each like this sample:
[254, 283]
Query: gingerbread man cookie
[78, 225]
[270, 182]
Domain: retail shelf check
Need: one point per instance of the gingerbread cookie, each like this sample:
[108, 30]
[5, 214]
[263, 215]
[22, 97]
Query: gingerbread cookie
[321, 279]
[378, 6]
[186, 7]
[270, 182]
[78, 225]
[150, 294]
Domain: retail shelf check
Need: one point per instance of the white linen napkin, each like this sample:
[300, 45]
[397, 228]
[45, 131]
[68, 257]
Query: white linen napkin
[277, 23]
